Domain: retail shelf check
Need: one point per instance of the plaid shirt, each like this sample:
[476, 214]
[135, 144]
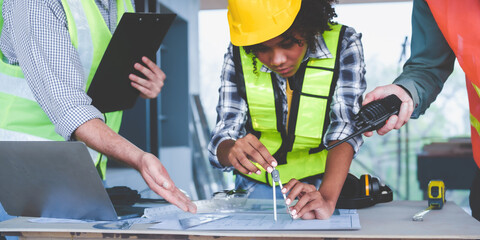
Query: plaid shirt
[347, 98]
[35, 36]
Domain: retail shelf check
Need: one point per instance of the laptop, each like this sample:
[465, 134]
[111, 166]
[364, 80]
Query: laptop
[137, 35]
[54, 179]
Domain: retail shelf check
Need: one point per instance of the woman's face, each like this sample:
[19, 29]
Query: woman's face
[281, 55]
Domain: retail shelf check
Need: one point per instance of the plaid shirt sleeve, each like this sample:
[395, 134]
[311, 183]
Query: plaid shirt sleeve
[351, 84]
[231, 111]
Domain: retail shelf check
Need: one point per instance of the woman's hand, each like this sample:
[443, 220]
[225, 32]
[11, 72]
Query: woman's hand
[241, 153]
[311, 204]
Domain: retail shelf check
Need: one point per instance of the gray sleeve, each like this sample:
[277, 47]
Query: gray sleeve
[431, 60]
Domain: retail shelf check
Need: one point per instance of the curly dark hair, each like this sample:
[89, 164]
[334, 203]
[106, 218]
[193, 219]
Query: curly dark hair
[313, 18]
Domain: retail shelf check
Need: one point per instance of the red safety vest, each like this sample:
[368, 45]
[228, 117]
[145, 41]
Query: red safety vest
[460, 25]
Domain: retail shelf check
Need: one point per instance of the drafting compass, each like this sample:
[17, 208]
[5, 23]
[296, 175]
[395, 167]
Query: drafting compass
[276, 178]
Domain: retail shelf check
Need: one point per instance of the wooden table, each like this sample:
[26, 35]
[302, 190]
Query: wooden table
[384, 221]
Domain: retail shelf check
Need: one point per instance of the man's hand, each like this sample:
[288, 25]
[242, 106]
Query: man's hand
[406, 109]
[240, 153]
[97, 135]
[157, 178]
[150, 87]
[311, 203]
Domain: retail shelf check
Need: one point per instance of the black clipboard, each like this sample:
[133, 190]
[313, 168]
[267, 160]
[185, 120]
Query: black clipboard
[137, 35]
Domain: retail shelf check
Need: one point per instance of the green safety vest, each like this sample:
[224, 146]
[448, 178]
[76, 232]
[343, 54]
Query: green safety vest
[300, 152]
[21, 117]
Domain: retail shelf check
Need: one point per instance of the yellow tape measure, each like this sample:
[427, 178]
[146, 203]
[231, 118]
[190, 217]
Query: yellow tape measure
[436, 194]
[436, 198]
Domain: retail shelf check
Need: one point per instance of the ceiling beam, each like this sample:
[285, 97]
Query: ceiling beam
[222, 4]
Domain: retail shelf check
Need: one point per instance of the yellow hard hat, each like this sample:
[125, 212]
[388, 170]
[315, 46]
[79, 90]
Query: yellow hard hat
[255, 21]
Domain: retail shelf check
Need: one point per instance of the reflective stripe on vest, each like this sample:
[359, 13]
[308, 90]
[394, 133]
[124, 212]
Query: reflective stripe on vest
[474, 103]
[464, 40]
[261, 102]
[311, 114]
[22, 118]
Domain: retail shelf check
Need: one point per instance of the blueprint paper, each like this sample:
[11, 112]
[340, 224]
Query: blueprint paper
[211, 206]
[255, 221]
[256, 215]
